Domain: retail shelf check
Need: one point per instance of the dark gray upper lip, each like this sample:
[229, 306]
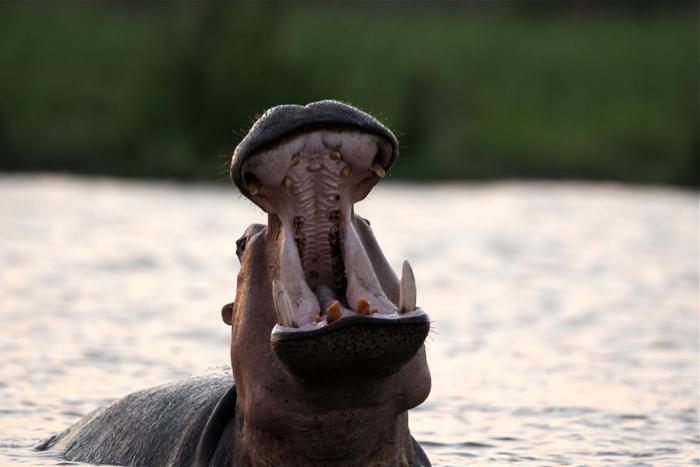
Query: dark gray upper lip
[284, 120]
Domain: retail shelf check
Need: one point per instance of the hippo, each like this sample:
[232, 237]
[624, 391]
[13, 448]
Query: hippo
[327, 343]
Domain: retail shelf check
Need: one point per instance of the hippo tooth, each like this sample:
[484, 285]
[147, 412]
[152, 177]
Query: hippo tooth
[254, 187]
[346, 171]
[378, 170]
[362, 307]
[362, 281]
[333, 311]
[295, 160]
[335, 155]
[287, 182]
[407, 290]
[305, 303]
[283, 305]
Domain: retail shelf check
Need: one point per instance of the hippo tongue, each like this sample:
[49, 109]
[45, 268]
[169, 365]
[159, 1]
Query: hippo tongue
[311, 182]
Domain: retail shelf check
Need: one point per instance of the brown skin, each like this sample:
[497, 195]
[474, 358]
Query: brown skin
[281, 420]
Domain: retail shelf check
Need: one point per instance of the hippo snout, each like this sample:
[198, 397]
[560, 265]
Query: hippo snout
[341, 313]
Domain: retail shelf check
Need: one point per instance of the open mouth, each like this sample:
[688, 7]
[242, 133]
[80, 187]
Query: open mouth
[311, 181]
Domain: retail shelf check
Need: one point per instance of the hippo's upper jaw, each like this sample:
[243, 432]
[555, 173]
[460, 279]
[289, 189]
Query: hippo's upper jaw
[328, 156]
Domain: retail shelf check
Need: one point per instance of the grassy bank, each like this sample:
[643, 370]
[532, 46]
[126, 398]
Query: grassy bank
[166, 91]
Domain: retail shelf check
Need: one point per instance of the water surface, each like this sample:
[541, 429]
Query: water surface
[565, 315]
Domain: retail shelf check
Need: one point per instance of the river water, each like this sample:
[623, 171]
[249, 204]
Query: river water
[565, 315]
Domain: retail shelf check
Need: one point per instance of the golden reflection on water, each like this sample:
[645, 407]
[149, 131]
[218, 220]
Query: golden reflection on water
[565, 315]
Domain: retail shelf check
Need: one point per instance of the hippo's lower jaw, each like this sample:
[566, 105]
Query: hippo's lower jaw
[310, 182]
[354, 348]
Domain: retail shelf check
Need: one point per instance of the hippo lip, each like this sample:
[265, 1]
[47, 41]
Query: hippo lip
[326, 157]
[281, 121]
[352, 349]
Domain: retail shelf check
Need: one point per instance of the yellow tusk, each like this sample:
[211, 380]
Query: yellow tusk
[333, 311]
[362, 307]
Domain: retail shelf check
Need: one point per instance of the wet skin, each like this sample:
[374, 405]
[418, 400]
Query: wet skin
[326, 343]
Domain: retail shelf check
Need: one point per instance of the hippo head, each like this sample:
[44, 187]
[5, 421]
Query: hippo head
[327, 344]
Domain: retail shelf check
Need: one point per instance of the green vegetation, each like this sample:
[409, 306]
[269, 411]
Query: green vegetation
[167, 91]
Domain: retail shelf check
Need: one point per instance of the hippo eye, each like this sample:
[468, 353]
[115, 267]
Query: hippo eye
[249, 234]
[240, 247]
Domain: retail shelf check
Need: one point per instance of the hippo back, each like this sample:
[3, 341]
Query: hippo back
[176, 424]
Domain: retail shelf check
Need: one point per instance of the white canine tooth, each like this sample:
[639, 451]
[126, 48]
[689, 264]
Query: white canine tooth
[362, 281]
[407, 291]
[378, 169]
[283, 305]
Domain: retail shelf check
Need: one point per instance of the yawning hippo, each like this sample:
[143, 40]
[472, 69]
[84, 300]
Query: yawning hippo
[326, 343]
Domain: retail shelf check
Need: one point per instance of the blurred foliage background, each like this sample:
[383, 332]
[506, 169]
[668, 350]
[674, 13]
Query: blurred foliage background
[477, 90]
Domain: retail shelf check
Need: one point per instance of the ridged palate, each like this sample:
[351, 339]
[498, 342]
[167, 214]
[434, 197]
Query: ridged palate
[317, 222]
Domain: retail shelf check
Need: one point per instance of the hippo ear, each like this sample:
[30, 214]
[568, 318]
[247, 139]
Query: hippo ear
[227, 313]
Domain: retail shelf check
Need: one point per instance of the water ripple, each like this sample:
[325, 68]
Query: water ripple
[574, 341]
